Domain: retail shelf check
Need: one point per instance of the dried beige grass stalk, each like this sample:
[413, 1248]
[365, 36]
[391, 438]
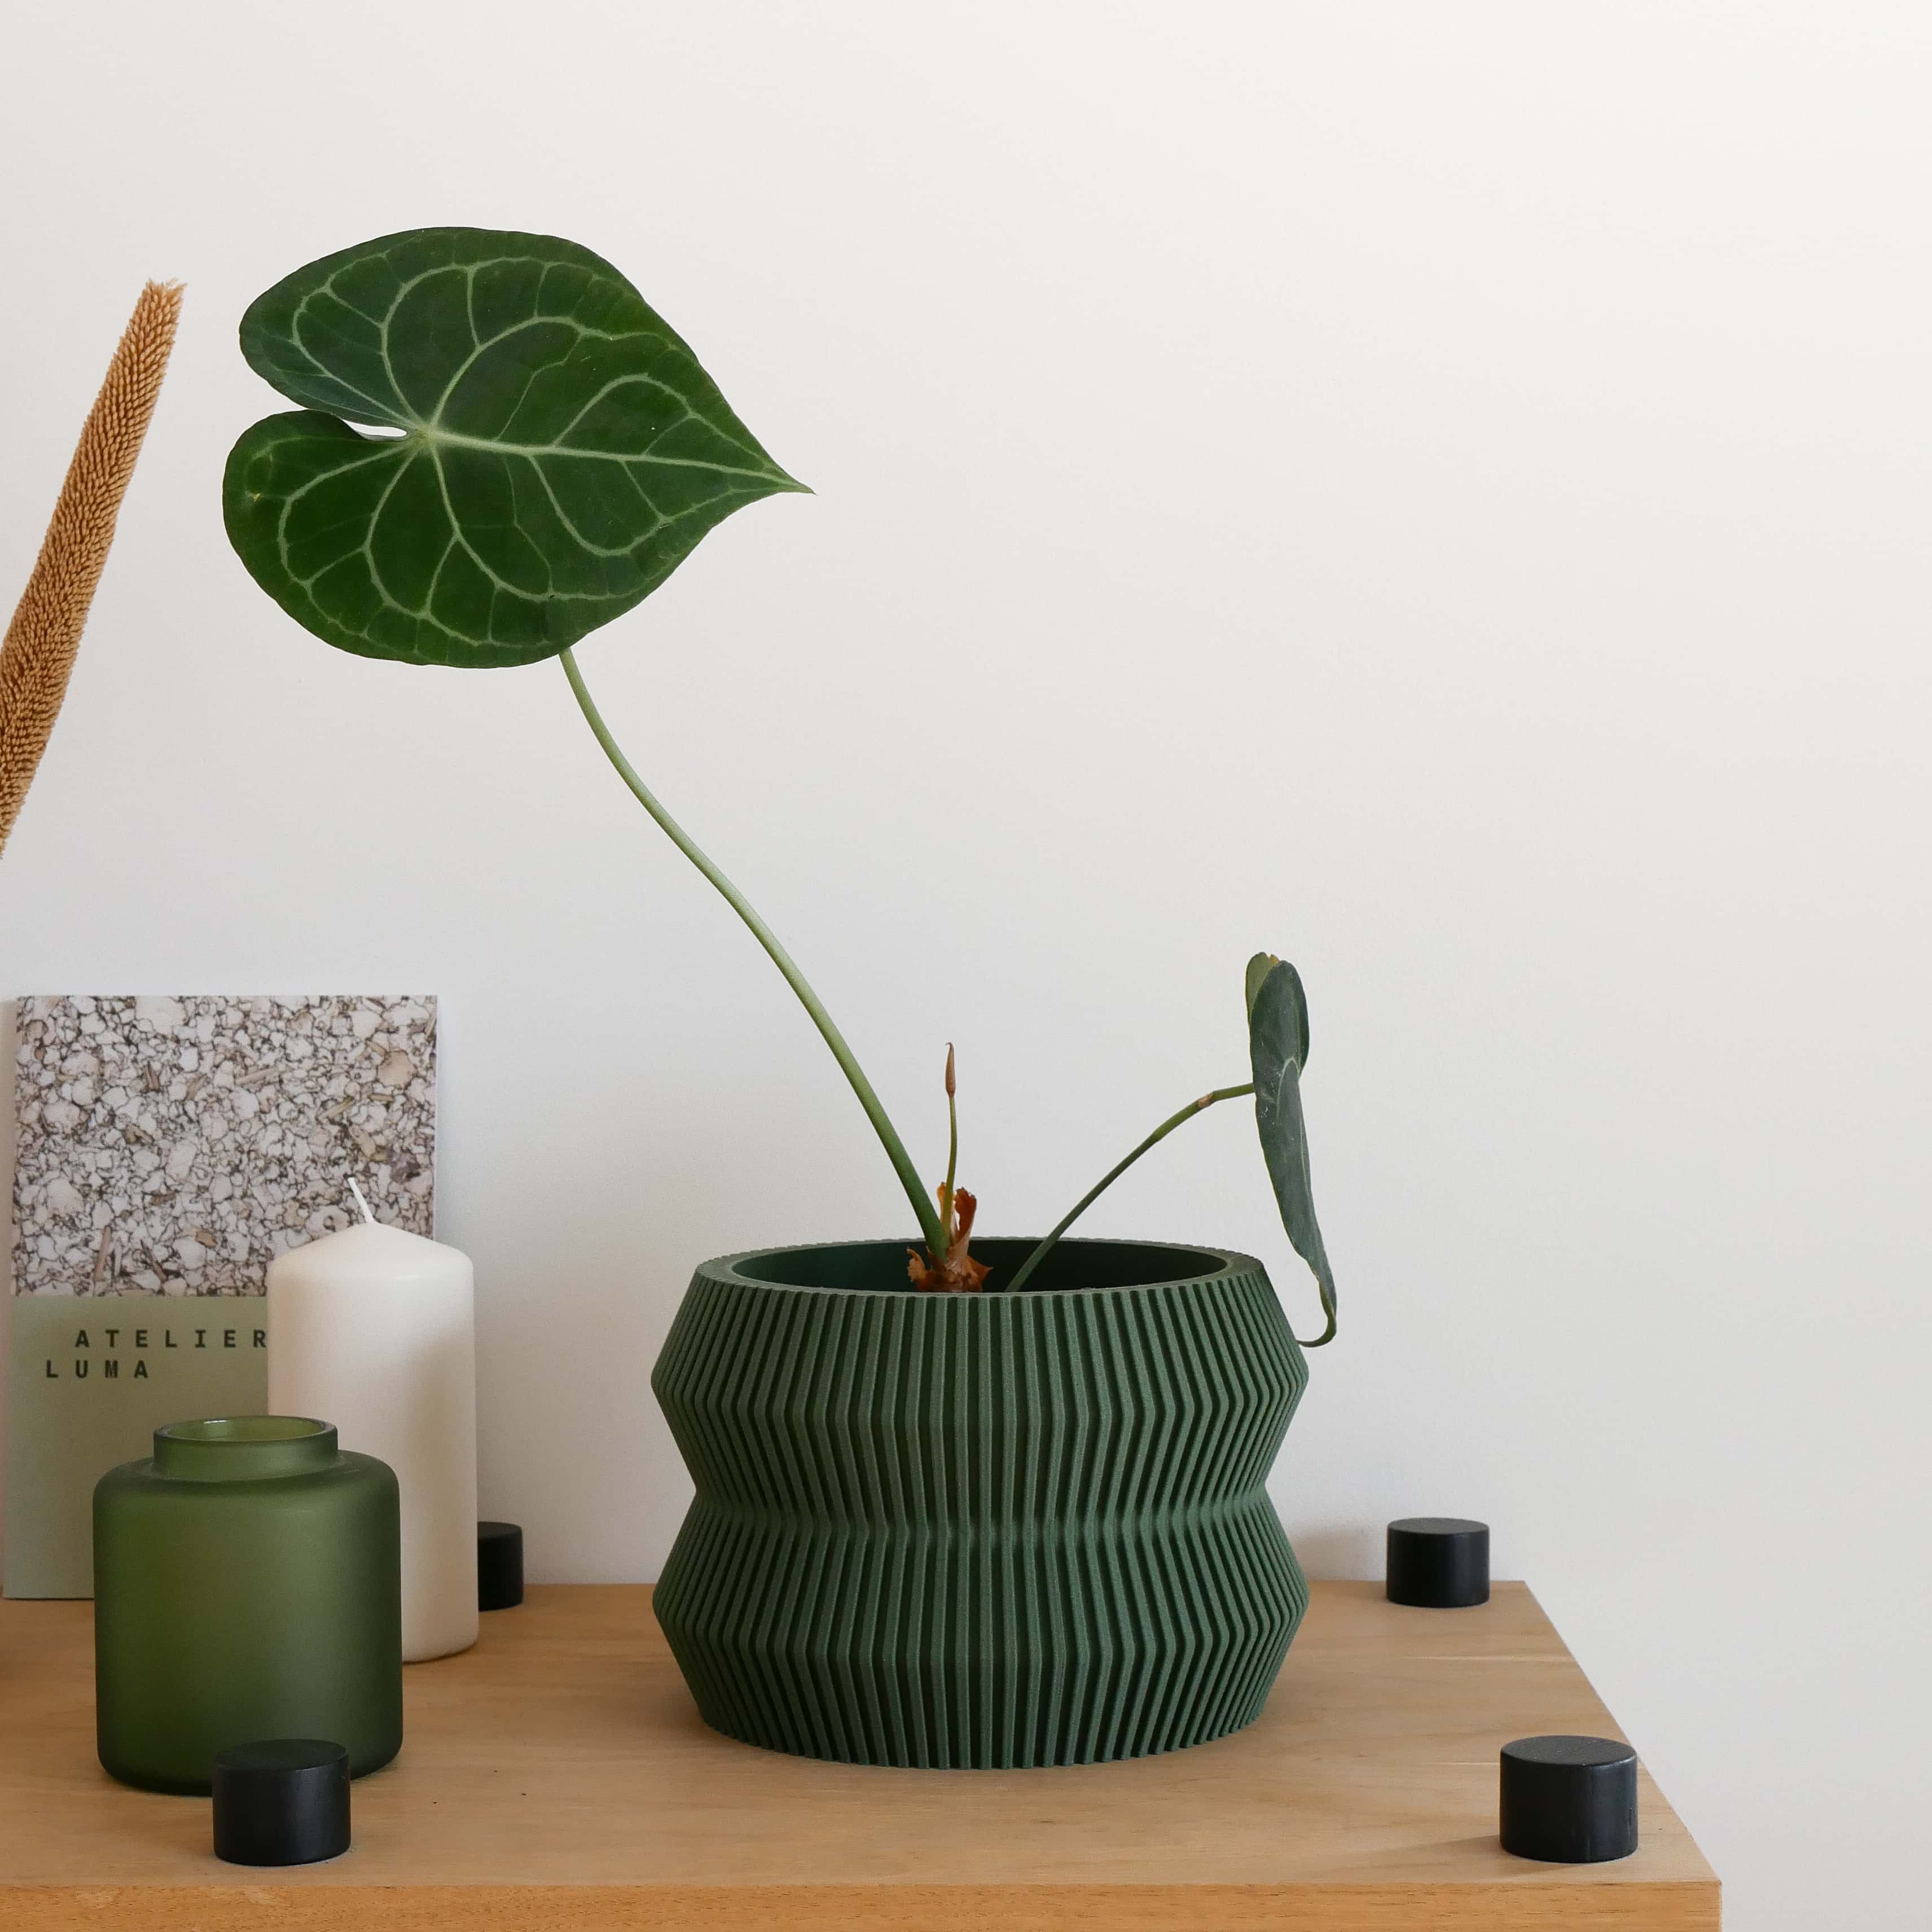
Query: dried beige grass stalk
[45, 633]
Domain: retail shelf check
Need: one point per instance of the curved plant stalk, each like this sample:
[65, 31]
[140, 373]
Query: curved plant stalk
[929, 1221]
[1113, 1174]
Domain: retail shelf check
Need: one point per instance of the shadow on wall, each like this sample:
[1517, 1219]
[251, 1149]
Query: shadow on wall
[1339, 1551]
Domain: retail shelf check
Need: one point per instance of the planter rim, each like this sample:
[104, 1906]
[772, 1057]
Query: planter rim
[1217, 1263]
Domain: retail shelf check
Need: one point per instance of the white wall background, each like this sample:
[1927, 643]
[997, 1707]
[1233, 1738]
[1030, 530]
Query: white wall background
[1441, 492]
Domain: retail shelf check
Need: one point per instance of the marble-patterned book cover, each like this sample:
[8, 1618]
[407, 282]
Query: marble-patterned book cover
[169, 1148]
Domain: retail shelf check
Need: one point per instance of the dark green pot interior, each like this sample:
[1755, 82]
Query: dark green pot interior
[980, 1530]
[879, 1267]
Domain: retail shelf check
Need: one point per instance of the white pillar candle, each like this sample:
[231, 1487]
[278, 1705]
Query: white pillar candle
[374, 1329]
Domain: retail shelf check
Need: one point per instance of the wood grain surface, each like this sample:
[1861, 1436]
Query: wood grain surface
[557, 1776]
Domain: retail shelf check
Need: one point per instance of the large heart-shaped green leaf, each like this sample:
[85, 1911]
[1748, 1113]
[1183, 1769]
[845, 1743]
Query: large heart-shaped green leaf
[1278, 1050]
[561, 451]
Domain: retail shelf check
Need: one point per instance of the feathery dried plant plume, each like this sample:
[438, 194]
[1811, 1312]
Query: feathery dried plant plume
[41, 641]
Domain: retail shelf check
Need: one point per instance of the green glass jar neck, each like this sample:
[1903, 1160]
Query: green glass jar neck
[244, 1448]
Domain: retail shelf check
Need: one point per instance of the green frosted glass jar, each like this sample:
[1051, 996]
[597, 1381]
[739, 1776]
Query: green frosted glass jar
[247, 1585]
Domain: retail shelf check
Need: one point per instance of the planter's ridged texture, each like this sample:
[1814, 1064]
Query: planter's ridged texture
[980, 1530]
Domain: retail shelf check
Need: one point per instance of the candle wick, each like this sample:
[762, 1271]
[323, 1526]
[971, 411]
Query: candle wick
[360, 1202]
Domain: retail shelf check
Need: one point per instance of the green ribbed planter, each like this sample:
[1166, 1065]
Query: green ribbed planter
[980, 1530]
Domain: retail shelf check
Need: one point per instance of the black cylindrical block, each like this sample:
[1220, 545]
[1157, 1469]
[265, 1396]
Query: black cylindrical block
[284, 1801]
[499, 1566]
[1569, 1801]
[1439, 1562]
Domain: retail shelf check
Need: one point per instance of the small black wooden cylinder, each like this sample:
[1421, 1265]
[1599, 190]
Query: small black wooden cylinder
[1439, 1562]
[1569, 1801]
[499, 1566]
[283, 1801]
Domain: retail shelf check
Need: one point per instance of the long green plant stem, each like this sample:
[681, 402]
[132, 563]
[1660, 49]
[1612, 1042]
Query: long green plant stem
[882, 1125]
[1113, 1174]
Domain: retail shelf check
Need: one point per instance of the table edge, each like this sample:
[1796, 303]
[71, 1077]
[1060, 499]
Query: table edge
[1536, 1903]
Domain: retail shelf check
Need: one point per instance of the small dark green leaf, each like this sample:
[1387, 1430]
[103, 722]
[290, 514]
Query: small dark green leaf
[1259, 968]
[1278, 1049]
[561, 451]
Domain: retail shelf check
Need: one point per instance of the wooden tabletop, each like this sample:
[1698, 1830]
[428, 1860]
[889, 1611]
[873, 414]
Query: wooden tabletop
[557, 1777]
